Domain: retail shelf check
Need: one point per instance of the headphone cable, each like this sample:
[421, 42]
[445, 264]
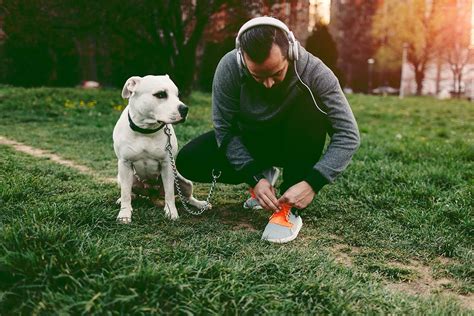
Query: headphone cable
[311, 93]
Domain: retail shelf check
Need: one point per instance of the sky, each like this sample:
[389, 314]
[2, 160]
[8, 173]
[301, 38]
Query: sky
[323, 7]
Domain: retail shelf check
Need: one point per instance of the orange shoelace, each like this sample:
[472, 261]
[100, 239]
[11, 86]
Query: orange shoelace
[252, 194]
[280, 217]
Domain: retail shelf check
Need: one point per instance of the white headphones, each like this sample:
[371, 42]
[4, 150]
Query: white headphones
[266, 20]
[292, 49]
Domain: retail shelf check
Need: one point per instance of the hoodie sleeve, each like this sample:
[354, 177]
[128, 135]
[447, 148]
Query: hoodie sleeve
[344, 134]
[225, 107]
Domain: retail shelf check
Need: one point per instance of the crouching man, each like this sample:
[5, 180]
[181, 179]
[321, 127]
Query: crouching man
[273, 104]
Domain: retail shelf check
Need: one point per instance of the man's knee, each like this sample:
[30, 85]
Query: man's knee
[195, 158]
[183, 161]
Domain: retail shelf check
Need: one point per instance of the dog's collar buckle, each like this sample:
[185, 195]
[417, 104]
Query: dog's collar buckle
[138, 129]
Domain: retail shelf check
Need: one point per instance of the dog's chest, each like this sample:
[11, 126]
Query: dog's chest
[146, 155]
[147, 168]
[138, 149]
[146, 160]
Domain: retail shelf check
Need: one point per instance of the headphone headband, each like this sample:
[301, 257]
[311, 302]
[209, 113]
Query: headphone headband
[267, 20]
[262, 20]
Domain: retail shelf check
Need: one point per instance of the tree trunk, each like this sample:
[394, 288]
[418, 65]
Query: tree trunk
[459, 83]
[438, 76]
[3, 65]
[185, 64]
[199, 58]
[455, 77]
[53, 74]
[92, 58]
[185, 55]
[86, 50]
[105, 70]
[349, 76]
[419, 76]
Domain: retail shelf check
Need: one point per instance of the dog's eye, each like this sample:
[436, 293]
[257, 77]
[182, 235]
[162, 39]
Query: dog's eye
[161, 95]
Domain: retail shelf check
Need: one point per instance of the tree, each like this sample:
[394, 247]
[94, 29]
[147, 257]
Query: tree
[350, 26]
[321, 45]
[173, 29]
[456, 38]
[417, 23]
[128, 37]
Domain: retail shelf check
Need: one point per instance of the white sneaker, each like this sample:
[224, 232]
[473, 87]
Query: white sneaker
[282, 227]
[271, 175]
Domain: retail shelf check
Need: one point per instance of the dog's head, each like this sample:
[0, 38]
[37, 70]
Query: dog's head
[155, 99]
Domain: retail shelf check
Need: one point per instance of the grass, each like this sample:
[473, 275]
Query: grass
[407, 196]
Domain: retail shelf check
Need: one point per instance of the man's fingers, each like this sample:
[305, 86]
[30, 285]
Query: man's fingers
[299, 206]
[273, 198]
[267, 199]
[263, 203]
[283, 199]
[271, 202]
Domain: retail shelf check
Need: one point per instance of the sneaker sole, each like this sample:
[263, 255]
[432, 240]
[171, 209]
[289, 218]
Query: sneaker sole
[287, 239]
[254, 208]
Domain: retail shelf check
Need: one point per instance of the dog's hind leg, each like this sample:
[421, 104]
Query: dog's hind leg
[187, 190]
[125, 175]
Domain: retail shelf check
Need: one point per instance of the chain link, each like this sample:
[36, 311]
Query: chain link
[183, 199]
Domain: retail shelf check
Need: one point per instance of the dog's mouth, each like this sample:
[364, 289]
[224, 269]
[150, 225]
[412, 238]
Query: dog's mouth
[182, 120]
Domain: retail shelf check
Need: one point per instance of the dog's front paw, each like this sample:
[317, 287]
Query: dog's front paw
[171, 212]
[124, 216]
[173, 217]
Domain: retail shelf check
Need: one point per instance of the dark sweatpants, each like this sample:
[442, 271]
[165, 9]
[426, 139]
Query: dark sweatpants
[294, 143]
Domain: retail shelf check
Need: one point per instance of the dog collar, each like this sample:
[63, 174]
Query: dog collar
[138, 129]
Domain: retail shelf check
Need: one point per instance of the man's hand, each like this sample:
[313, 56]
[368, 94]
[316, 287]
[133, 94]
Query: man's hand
[265, 194]
[298, 195]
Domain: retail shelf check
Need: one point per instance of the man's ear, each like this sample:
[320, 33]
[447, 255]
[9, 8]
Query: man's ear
[130, 86]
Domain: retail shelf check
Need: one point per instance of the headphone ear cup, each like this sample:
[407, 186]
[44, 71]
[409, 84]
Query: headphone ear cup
[240, 60]
[295, 50]
[293, 47]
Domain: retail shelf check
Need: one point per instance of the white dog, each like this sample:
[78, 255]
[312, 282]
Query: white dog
[140, 142]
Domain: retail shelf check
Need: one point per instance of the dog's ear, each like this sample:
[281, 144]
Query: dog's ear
[130, 86]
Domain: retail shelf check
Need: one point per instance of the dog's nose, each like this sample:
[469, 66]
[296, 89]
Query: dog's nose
[183, 110]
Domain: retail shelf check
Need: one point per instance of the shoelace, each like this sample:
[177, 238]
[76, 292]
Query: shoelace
[252, 193]
[281, 217]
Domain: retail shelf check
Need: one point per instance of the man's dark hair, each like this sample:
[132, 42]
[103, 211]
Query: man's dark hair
[257, 42]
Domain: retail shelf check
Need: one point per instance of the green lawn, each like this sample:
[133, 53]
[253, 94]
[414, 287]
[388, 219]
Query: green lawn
[399, 217]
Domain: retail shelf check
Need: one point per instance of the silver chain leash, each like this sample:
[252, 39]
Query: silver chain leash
[184, 200]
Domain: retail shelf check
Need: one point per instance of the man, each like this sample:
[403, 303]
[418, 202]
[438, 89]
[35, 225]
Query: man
[273, 104]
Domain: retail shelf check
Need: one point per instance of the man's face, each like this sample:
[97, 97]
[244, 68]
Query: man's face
[271, 71]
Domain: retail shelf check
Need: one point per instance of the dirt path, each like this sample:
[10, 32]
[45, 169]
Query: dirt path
[424, 282]
[40, 153]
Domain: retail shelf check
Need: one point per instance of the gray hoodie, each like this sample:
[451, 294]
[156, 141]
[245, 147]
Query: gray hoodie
[232, 98]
